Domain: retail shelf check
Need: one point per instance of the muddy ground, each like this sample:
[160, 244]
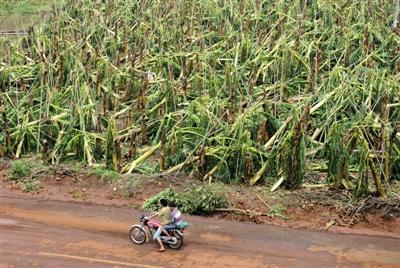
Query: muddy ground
[316, 209]
[37, 233]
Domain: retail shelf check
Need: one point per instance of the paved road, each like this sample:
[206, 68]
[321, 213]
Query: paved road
[66, 234]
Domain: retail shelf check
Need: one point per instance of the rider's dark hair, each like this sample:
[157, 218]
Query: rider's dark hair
[163, 202]
[173, 204]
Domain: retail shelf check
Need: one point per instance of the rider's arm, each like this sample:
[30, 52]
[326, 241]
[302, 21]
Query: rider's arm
[152, 216]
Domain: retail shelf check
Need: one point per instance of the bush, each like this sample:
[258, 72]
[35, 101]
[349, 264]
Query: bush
[199, 201]
[205, 199]
[152, 204]
[19, 169]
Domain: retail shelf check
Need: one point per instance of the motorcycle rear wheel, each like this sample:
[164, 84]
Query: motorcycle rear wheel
[137, 235]
[179, 241]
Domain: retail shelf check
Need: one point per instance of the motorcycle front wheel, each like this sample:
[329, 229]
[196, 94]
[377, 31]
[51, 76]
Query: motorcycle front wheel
[137, 235]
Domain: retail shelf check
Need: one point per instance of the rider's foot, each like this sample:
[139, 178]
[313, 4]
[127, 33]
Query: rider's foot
[161, 250]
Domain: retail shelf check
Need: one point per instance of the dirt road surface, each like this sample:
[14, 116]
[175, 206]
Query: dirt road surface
[38, 233]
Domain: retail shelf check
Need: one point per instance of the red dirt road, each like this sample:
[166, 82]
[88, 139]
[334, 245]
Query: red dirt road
[38, 233]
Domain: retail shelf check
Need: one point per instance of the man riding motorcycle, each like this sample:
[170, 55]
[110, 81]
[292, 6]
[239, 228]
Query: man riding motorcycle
[165, 216]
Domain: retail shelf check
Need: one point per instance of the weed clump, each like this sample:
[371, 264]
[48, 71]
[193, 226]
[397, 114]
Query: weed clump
[25, 173]
[20, 169]
[30, 185]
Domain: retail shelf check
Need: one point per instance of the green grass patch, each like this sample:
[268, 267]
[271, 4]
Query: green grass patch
[104, 175]
[20, 169]
[278, 210]
[30, 185]
[19, 14]
[25, 7]
[26, 173]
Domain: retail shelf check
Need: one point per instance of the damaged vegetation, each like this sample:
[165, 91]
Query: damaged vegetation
[250, 92]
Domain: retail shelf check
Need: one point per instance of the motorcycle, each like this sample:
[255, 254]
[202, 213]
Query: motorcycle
[140, 233]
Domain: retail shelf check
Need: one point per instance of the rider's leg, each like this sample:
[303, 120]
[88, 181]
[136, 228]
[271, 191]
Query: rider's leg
[166, 232]
[161, 244]
[157, 237]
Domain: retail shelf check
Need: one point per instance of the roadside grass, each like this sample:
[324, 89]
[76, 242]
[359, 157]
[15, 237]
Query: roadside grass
[27, 173]
[27, 169]
[20, 169]
[278, 210]
[199, 199]
[105, 176]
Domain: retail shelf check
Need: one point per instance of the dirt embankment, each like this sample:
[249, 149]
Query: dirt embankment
[305, 209]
